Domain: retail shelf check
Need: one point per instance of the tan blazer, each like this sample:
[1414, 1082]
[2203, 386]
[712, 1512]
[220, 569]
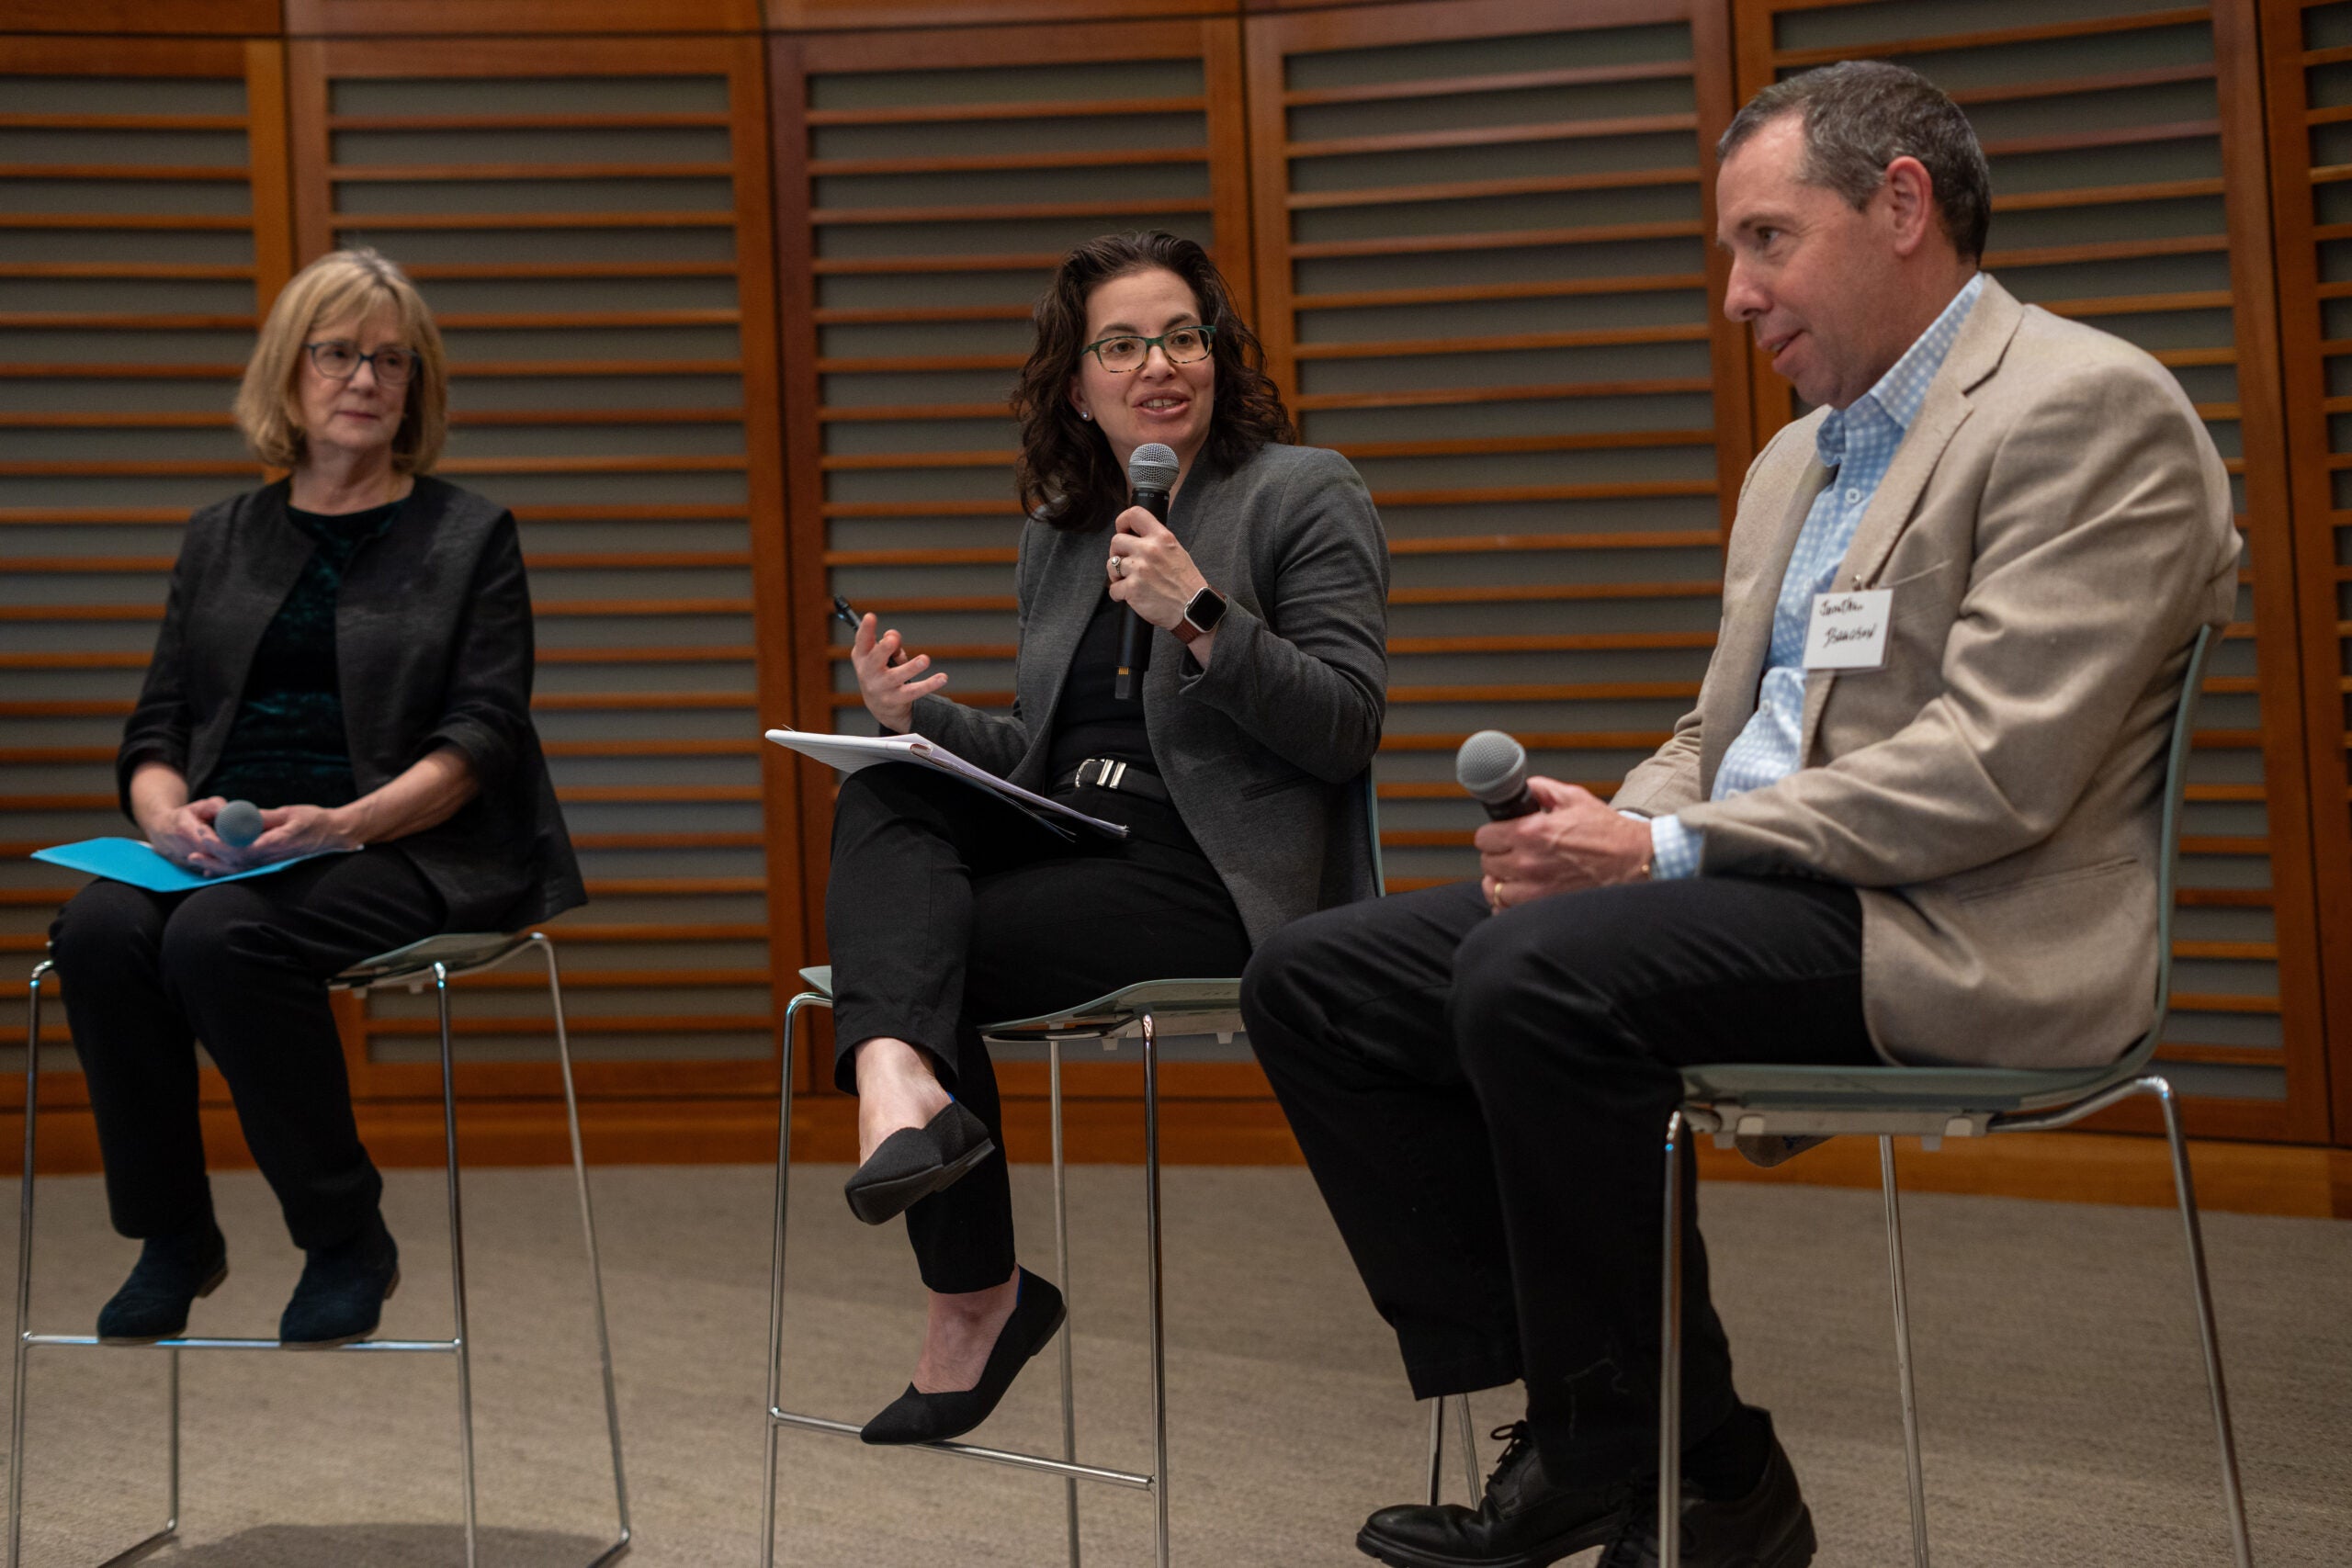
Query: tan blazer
[2055, 527]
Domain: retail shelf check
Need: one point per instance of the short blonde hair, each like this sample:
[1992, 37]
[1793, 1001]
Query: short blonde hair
[339, 287]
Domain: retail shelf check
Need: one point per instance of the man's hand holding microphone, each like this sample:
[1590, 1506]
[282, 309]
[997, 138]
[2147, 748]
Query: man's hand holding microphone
[1545, 836]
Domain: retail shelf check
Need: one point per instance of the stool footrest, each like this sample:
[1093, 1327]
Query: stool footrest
[973, 1451]
[91, 1341]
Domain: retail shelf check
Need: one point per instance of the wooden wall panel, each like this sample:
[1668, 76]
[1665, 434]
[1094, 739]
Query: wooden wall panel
[144, 225]
[358, 18]
[1484, 263]
[589, 219]
[2127, 153]
[2308, 51]
[926, 185]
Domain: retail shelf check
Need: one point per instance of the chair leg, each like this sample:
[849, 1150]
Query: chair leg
[1437, 1449]
[2241, 1542]
[1061, 1267]
[775, 1274]
[1472, 1480]
[1669, 1371]
[595, 1263]
[1151, 1242]
[25, 1276]
[458, 1263]
[1902, 1354]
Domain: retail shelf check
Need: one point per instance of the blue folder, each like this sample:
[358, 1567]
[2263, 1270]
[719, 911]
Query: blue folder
[129, 860]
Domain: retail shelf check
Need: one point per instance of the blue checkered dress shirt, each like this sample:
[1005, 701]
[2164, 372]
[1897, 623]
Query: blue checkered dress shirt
[1856, 444]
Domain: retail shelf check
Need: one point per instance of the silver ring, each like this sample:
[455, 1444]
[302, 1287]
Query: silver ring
[1119, 568]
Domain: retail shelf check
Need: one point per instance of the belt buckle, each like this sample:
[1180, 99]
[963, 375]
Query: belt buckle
[1107, 774]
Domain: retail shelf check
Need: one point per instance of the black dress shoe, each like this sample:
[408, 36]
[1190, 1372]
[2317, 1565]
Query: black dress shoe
[915, 1162]
[1524, 1520]
[915, 1417]
[342, 1294]
[1769, 1527]
[172, 1271]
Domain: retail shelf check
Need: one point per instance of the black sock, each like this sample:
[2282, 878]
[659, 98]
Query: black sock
[1729, 1463]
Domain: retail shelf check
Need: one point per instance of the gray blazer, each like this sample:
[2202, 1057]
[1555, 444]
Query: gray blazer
[1263, 751]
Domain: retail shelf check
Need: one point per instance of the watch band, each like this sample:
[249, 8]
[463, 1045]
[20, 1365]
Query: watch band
[1189, 630]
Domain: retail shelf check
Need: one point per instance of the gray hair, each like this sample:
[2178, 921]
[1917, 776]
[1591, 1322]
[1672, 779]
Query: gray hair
[1860, 116]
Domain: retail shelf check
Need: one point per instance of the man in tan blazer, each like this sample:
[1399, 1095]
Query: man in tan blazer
[1914, 817]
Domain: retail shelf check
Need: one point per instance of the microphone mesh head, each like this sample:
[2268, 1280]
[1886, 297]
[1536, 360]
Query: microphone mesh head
[1491, 766]
[238, 823]
[1153, 467]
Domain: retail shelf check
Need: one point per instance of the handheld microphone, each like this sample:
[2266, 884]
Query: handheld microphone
[1492, 767]
[238, 823]
[1152, 471]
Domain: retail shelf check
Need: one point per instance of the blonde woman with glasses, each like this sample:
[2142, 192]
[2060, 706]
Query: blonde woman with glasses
[349, 649]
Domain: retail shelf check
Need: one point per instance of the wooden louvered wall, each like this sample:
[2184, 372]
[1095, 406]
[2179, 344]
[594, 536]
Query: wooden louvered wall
[734, 316]
[2126, 146]
[589, 219]
[144, 224]
[1484, 263]
[2307, 50]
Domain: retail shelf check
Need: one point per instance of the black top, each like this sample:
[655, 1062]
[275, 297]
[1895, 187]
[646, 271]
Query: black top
[1088, 721]
[287, 745]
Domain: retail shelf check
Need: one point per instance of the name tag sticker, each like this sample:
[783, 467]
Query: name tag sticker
[1848, 630]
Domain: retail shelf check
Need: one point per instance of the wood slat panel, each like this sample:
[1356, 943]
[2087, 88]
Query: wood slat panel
[2127, 157]
[926, 185]
[1484, 275]
[153, 212]
[2307, 54]
[624, 401]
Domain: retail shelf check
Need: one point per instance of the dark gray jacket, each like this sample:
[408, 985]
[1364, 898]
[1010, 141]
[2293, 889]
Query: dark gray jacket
[1265, 751]
[433, 648]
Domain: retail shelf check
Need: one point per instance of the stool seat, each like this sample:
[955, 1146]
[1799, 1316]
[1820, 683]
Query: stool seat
[1214, 1005]
[458, 952]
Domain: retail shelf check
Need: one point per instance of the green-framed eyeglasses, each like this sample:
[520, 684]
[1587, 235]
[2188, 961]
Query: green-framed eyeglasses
[1125, 354]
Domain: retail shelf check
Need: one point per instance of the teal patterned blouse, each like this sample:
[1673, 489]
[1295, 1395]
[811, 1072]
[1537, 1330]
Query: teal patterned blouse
[286, 746]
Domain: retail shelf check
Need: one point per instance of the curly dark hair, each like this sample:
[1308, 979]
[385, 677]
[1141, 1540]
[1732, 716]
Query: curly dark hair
[1067, 475]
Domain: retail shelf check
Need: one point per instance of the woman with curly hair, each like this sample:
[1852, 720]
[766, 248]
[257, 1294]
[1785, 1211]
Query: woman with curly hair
[1235, 767]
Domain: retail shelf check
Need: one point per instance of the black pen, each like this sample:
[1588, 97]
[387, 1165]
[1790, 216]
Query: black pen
[848, 616]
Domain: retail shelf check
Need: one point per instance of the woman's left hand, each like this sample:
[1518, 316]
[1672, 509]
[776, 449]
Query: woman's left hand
[1149, 572]
[291, 830]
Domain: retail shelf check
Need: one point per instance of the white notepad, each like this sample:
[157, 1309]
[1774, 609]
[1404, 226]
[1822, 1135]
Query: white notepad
[848, 753]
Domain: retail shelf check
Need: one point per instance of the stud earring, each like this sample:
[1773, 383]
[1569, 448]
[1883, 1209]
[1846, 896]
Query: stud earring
[1084, 415]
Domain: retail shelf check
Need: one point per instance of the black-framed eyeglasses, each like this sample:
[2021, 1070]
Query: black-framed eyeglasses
[1125, 354]
[339, 361]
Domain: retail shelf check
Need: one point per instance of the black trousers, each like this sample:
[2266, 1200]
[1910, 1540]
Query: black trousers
[241, 967]
[947, 909]
[1483, 1101]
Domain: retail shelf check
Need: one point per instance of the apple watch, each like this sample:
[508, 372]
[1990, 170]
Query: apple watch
[1202, 613]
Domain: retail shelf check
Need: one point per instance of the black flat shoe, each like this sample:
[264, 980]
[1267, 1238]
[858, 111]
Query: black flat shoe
[914, 1417]
[1523, 1521]
[1769, 1527]
[171, 1273]
[915, 1162]
[342, 1294]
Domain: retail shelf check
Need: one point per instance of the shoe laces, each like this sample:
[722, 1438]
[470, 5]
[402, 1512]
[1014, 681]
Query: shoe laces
[1518, 1446]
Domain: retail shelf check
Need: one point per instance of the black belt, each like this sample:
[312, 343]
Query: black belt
[1102, 772]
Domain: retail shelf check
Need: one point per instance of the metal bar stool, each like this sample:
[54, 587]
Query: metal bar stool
[1206, 1006]
[434, 960]
[1935, 1103]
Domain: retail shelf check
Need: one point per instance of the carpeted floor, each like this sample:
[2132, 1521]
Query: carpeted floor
[2064, 1412]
